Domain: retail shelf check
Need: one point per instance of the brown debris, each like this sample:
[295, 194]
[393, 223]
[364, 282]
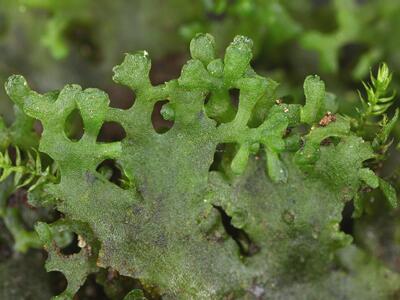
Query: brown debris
[328, 118]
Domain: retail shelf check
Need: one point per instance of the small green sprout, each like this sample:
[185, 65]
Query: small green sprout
[26, 173]
[378, 99]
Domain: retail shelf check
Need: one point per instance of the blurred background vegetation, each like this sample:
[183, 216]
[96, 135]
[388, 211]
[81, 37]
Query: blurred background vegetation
[56, 42]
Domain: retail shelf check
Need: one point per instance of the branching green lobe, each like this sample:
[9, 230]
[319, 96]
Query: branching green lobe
[166, 228]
